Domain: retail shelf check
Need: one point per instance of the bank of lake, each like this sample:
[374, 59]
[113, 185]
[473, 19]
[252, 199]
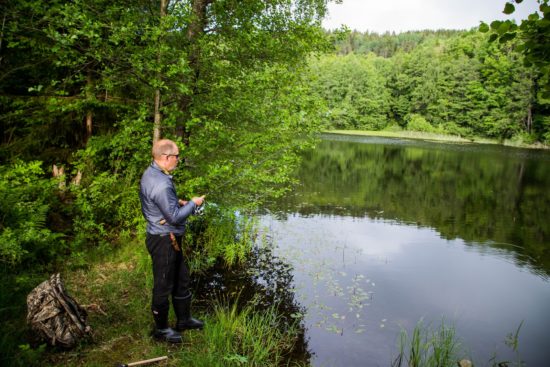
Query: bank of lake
[406, 134]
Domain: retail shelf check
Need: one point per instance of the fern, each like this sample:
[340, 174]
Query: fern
[25, 199]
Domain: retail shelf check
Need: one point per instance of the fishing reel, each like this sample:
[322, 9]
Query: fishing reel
[199, 210]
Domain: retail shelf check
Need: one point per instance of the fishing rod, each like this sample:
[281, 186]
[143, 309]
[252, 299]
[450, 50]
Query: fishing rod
[200, 209]
[243, 172]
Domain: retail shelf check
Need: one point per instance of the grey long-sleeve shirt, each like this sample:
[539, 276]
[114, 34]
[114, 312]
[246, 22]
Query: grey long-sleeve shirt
[159, 200]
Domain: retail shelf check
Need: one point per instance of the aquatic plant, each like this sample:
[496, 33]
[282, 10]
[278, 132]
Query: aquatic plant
[428, 348]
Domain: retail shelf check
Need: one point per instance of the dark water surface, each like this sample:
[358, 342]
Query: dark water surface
[382, 233]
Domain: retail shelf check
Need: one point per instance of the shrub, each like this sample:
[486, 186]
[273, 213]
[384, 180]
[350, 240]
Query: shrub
[417, 122]
[219, 234]
[454, 129]
[106, 205]
[26, 199]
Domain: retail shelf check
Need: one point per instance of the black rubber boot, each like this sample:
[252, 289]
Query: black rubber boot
[168, 335]
[182, 307]
[162, 332]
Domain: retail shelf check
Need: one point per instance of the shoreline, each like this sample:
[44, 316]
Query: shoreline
[436, 137]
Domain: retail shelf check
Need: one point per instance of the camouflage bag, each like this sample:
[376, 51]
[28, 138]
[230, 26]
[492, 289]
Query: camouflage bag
[55, 316]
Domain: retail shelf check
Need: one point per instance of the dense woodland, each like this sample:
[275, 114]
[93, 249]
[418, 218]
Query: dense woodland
[455, 82]
[87, 86]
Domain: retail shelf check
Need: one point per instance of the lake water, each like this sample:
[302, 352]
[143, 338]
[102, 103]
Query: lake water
[382, 233]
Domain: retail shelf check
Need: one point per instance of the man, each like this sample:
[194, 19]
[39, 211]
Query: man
[166, 216]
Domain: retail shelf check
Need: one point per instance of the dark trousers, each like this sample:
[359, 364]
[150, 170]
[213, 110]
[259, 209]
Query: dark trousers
[170, 272]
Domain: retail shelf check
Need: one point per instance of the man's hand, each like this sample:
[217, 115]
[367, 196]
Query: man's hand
[198, 201]
[182, 202]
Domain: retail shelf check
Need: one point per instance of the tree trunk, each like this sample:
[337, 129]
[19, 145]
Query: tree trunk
[90, 96]
[529, 121]
[2, 36]
[158, 120]
[194, 32]
[158, 103]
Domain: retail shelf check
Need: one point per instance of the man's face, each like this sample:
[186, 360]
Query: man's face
[171, 160]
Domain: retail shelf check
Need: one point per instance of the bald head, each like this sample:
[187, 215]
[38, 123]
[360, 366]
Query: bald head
[164, 147]
[166, 154]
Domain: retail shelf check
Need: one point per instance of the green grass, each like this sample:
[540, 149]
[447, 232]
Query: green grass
[242, 338]
[428, 348]
[437, 137]
[116, 292]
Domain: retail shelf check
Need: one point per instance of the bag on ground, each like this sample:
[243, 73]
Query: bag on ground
[54, 316]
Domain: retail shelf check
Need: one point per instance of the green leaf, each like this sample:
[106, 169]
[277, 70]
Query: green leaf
[495, 24]
[518, 1]
[503, 28]
[493, 37]
[509, 8]
[483, 27]
[533, 17]
[37, 88]
[507, 37]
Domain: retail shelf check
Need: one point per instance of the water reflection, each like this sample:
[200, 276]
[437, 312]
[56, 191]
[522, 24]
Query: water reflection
[382, 233]
[263, 280]
[486, 195]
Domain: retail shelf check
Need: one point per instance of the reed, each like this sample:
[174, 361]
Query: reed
[428, 348]
[245, 337]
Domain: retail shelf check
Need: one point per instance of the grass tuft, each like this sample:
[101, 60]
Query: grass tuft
[428, 348]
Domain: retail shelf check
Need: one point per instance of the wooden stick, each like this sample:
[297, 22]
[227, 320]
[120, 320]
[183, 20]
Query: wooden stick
[139, 363]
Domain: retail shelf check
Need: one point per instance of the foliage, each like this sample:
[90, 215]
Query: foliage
[107, 203]
[354, 90]
[416, 122]
[27, 198]
[218, 234]
[15, 285]
[77, 83]
[459, 82]
[533, 35]
[387, 44]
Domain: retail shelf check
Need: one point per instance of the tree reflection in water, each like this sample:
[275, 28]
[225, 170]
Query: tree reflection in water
[264, 280]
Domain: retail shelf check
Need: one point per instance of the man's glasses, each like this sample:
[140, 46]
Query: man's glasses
[172, 155]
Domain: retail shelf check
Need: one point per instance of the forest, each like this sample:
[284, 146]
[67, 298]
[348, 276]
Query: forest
[451, 82]
[244, 87]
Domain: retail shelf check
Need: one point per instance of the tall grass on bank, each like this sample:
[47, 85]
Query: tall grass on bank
[245, 337]
[428, 348]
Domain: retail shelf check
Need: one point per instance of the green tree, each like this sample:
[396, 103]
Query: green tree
[91, 84]
[533, 34]
[533, 41]
[354, 88]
